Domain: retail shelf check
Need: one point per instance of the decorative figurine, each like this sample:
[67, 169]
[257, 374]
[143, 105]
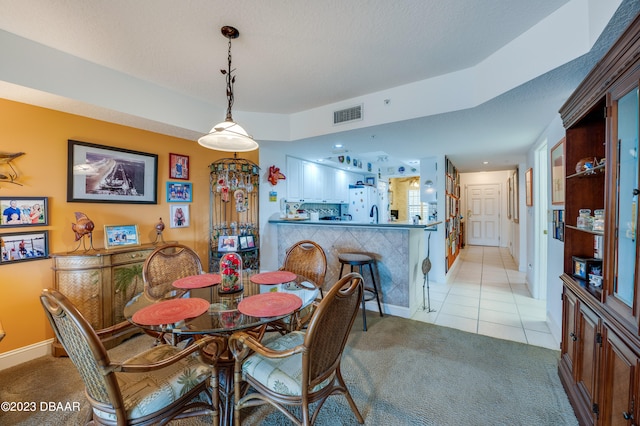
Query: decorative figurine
[275, 175]
[159, 228]
[83, 226]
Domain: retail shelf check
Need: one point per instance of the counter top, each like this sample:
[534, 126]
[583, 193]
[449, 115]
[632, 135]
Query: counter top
[403, 224]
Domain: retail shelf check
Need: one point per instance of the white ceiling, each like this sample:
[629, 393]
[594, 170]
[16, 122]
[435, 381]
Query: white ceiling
[294, 56]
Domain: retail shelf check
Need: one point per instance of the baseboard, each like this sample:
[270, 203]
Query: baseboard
[24, 354]
[396, 311]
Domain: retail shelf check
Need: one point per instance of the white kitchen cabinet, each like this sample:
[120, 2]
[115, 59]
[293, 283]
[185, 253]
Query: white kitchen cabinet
[309, 182]
[294, 179]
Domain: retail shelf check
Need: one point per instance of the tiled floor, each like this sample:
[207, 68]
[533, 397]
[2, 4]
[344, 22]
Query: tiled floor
[487, 295]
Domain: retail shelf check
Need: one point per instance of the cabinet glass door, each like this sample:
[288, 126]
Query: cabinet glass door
[627, 197]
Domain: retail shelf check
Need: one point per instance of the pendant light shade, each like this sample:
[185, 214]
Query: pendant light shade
[228, 135]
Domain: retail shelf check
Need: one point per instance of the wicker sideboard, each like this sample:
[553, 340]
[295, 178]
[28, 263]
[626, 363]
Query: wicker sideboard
[100, 282]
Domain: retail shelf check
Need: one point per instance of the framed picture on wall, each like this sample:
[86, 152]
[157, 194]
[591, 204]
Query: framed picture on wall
[179, 192]
[103, 174]
[178, 166]
[180, 217]
[557, 173]
[23, 246]
[528, 180]
[23, 211]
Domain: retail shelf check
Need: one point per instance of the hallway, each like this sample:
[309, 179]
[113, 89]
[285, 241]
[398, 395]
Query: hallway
[487, 295]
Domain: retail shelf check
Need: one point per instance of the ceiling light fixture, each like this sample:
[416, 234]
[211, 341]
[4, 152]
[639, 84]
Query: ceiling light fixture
[228, 135]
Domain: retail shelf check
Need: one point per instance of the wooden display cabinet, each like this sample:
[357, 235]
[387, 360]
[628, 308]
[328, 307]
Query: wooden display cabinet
[600, 349]
[100, 283]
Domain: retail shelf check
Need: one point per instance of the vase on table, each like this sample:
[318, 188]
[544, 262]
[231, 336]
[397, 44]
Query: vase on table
[230, 273]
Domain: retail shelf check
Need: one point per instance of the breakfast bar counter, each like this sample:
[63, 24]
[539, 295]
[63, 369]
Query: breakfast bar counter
[398, 247]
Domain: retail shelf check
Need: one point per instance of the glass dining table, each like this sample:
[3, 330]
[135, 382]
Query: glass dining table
[263, 299]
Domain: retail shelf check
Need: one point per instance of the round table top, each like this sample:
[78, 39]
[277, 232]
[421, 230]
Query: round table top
[223, 316]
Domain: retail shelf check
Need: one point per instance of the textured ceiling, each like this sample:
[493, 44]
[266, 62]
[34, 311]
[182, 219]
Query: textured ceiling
[296, 55]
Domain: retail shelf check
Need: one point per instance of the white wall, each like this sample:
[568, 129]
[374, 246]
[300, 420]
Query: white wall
[555, 248]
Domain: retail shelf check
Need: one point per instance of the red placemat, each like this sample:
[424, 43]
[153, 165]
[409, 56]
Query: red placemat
[170, 311]
[197, 281]
[275, 277]
[270, 304]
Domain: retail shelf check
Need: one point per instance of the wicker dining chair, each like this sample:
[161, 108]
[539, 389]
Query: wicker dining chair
[165, 265]
[308, 259]
[302, 367]
[153, 387]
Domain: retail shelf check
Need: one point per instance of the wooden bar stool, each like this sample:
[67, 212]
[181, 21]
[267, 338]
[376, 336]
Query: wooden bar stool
[360, 259]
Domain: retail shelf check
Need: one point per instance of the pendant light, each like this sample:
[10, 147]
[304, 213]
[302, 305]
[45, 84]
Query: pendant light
[228, 135]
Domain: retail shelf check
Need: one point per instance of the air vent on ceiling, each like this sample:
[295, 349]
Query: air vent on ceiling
[348, 114]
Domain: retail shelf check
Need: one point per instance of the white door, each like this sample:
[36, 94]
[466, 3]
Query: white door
[483, 214]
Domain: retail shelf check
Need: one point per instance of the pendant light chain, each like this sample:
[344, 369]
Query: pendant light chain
[230, 81]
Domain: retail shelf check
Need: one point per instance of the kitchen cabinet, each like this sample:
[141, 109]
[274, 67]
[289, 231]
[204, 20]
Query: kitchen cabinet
[100, 283]
[600, 348]
[309, 182]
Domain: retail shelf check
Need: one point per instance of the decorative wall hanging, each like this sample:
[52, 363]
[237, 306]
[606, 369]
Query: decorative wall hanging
[23, 211]
[9, 175]
[23, 246]
[103, 174]
[275, 175]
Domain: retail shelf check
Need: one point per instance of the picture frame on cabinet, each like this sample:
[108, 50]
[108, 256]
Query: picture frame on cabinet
[178, 166]
[228, 243]
[23, 211]
[557, 173]
[528, 181]
[104, 174]
[23, 246]
[180, 217]
[179, 192]
[121, 236]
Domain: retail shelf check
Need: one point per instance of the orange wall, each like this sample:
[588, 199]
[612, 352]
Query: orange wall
[42, 134]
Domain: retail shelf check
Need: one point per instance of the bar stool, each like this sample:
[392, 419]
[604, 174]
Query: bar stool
[360, 259]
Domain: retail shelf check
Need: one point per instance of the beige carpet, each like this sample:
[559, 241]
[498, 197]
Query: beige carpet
[400, 372]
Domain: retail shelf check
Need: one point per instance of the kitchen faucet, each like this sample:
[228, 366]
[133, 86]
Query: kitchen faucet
[371, 213]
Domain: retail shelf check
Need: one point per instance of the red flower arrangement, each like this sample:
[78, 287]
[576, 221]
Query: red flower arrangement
[231, 273]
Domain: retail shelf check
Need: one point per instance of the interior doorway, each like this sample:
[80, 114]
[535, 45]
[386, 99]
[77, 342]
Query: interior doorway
[483, 214]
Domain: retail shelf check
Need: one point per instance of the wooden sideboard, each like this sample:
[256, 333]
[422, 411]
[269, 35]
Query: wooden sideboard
[100, 282]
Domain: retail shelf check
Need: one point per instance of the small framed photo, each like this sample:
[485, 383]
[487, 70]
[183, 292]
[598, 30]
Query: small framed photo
[179, 216]
[179, 192]
[228, 243]
[243, 242]
[121, 236]
[23, 246]
[23, 211]
[370, 180]
[250, 242]
[178, 166]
